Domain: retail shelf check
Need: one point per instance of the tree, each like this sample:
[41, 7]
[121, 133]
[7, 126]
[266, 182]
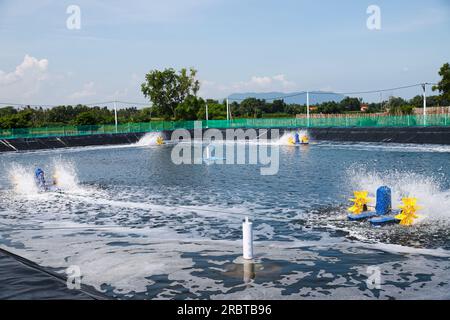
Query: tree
[85, 118]
[407, 109]
[444, 85]
[7, 111]
[396, 105]
[417, 101]
[189, 108]
[329, 107]
[350, 104]
[277, 106]
[167, 89]
[144, 115]
[295, 109]
[251, 107]
[375, 107]
[216, 111]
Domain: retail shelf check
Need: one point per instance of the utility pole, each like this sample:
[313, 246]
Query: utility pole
[307, 108]
[424, 87]
[115, 117]
[228, 110]
[207, 117]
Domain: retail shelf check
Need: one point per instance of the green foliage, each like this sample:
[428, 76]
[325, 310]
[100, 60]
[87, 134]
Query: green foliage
[407, 109]
[94, 115]
[251, 107]
[350, 104]
[444, 85]
[396, 105]
[66, 115]
[294, 109]
[375, 108]
[7, 111]
[189, 108]
[85, 118]
[417, 101]
[216, 111]
[329, 107]
[167, 89]
[277, 107]
[16, 120]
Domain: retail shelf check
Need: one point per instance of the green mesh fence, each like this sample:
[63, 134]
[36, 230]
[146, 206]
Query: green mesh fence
[339, 121]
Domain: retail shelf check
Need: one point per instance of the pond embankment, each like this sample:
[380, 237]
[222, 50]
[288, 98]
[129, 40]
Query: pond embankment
[414, 135]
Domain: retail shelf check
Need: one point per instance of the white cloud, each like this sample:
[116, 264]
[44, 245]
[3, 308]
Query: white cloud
[259, 81]
[272, 83]
[25, 80]
[88, 90]
[284, 82]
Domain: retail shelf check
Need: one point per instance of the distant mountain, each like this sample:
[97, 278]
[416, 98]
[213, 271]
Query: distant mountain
[316, 97]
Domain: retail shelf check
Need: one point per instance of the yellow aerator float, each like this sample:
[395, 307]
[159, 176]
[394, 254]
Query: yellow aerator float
[360, 201]
[298, 140]
[381, 215]
[291, 141]
[408, 213]
[305, 140]
[160, 141]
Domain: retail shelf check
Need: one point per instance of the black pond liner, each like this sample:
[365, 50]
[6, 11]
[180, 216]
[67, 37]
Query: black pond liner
[22, 279]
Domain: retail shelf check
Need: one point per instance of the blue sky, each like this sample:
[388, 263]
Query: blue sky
[236, 45]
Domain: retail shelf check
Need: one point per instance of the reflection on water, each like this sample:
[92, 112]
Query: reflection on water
[141, 227]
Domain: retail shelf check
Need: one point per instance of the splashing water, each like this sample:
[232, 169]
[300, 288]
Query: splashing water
[149, 139]
[62, 172]
[434, 200]
[22, 179]
[65, 175]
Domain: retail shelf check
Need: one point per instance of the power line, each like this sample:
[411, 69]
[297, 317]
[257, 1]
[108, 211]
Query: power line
[382, 90]
[284, 96]
[341, 93]
[273, 98]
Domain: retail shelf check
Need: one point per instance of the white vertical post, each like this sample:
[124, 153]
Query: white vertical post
[115, 116]
[307, 108]
[228, 110]
[207, 117]
[424, 87]
[247, 239]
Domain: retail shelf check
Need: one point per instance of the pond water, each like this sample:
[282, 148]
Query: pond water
[140, 227]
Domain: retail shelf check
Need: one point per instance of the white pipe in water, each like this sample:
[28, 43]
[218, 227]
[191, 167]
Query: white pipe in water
[247, 239]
